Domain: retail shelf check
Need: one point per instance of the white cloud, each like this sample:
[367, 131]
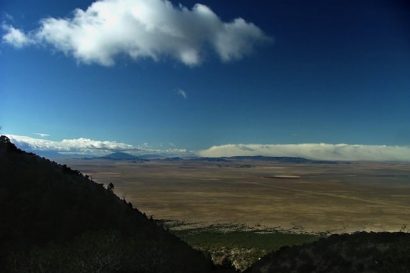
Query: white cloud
[15, 37]
[80, 145]
[147, 29]
[320, 151]
[182, 93]
[41, 134]
[88, 146]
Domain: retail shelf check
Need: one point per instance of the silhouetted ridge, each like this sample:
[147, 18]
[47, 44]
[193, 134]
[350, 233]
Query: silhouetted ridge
[6, 146]
[54, 219]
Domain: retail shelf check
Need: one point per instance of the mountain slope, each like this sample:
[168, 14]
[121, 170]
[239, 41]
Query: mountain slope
[356, 253]
[54, 219]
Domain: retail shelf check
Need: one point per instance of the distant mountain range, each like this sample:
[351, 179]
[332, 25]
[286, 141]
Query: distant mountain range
[122, 156]
[262, 158]
[147, 157]
[279, 159]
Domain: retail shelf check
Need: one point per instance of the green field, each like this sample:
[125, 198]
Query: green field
[239, 247]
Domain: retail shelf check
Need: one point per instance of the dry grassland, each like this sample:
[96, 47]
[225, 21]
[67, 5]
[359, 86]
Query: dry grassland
[301, 197]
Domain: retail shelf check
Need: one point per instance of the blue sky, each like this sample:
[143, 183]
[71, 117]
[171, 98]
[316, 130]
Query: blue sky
[329, 72]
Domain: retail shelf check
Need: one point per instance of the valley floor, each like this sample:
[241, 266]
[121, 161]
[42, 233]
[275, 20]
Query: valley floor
[311, 197]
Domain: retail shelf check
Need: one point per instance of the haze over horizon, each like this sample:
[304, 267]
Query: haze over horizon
[276, 78]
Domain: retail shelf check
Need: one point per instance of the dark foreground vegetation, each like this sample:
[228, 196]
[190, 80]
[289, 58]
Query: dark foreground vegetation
[54, 219]
[360, 252]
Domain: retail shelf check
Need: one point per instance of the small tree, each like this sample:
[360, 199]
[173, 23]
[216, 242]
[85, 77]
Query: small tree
[110, 187]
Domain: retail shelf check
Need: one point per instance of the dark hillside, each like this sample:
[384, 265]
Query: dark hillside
[356, 253]
[54, 219]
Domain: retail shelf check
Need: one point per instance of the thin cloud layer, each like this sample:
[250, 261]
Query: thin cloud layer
[322, 151]
[143, 29]
[182, 93]
[42, 135]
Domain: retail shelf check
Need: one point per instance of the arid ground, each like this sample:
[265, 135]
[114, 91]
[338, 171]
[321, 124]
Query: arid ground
[311, 197]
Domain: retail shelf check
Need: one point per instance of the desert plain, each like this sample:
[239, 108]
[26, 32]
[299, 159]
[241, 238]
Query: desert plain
[311, 197]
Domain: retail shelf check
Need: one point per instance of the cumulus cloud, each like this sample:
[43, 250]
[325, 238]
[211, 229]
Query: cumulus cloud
[182, 93]
[77, 145]
[145, 29]
[322, 151]
[15, 37]
[88, 146]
